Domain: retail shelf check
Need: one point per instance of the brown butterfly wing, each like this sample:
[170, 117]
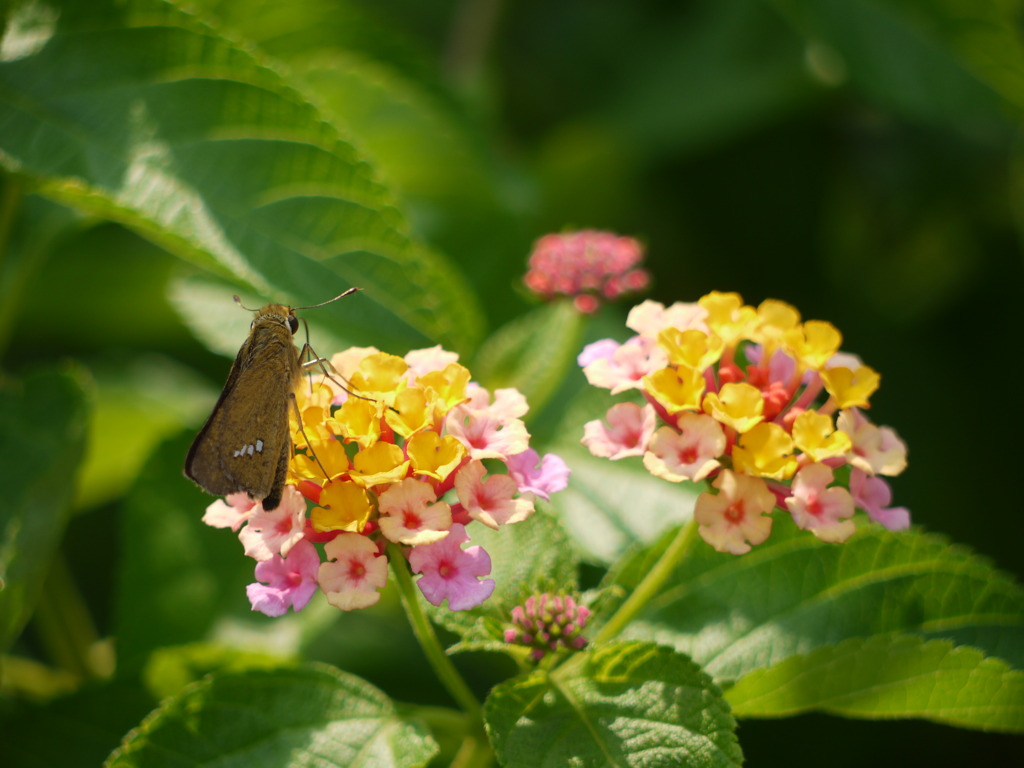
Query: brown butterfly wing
[246, 440]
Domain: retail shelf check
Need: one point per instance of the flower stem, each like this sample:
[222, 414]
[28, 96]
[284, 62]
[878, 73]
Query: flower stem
[651, 583]
[424, 631]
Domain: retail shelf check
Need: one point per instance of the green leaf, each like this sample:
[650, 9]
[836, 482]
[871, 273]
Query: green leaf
[170, 670]
[624, 704]
[532, 555]
[42, 441]
[193, 142]
[532, 353]
[925, 60]
[78, 730]
[310, 716]
[177, 576]
[139, 402]
[611, 506]
[794, 594]
[889, 676]
[706, 55]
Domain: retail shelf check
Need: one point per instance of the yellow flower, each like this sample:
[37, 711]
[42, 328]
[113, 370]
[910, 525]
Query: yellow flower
[765, 451]
[694, 349]
[728, 318]
[449, 385]
[358, 421]
[332, 456]
[775, 319]
[813, 343]
[816, 435]
[379, 464]
[414, 410]
[850, 388]
[737, 405]
[676, 389]
[433, 455]
[379, 373]
[344, 506]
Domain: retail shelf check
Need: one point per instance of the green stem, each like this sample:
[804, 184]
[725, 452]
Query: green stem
[424, 631]
[651, 583]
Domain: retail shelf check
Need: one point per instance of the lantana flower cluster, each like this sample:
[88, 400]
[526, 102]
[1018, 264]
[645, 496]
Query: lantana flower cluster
[760, 405]
[411, 452]
[587, 266]
[548, 622]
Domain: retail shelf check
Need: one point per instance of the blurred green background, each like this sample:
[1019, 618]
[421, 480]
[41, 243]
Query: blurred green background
[859, 159]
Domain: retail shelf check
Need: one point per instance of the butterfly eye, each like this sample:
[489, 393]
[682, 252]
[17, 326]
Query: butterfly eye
[293, 324]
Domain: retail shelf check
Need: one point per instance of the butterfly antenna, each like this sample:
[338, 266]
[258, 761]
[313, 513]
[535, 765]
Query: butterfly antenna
[341, 295]
[238, 301]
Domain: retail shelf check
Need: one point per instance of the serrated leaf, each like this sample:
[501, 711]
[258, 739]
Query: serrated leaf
[310, 716]
[533, 554]
[533, 352]
[889, 676]
[42, 440]
[625, 704]
[193, 142]
[794, 594]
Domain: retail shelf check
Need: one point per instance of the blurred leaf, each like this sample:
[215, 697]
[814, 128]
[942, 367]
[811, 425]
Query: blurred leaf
[626, 704]
[708, 72]
[532, 353]
[611, 505]
[42, 439]
[138, 404]
[79, 730]
[922, 59]
[794, 594]
[36, 226]
[312, 715]
[889, 676]
[177, 576]
[191, 141]
[532, 555]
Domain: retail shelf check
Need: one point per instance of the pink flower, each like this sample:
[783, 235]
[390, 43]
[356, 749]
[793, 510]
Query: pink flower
[628, 430]
[649, 318]
[492, 431]
[586, 265]
[277, 531]
[289, 581]
[689, 454]
[873, 495]
[452, 572]
[623, 366]
[354, 573]
[876, 450]
[541, 477]
[423, 361]
[737, 514]
[411, 514]
[820, 509]
[230, 512]
[490, 502]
